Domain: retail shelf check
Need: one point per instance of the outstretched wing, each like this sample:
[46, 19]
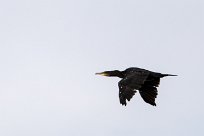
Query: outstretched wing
[125, 93]
[148, 94]
[148, 91]
[132, 82]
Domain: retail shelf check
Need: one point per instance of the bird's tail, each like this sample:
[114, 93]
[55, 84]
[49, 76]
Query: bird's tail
[164, 75]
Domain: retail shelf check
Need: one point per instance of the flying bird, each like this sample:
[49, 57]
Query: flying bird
[145, 81]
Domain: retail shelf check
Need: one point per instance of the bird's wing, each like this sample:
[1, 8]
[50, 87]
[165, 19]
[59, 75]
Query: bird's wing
[125, 93]
[148, 94]
[131, 83]
[148, 91]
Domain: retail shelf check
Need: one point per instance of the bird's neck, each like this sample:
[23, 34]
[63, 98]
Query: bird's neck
[118, 74]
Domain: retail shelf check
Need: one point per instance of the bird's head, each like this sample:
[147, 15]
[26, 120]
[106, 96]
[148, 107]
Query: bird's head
[114, 73]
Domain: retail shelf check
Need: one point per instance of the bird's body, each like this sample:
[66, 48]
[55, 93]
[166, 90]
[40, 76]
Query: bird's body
[137, 79]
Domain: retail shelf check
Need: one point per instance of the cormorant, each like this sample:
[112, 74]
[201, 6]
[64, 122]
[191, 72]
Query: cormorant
[137, 79]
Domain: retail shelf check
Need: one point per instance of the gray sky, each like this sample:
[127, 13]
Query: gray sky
[50, 50]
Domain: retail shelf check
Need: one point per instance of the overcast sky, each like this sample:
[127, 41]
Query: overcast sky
[51, 49]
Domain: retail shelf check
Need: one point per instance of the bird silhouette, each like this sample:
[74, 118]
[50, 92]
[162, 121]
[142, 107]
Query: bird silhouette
[145, 81]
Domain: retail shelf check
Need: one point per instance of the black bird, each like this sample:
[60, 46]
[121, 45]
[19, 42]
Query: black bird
[137, 79]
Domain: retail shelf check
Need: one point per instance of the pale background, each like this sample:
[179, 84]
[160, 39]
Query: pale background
[50, 50]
